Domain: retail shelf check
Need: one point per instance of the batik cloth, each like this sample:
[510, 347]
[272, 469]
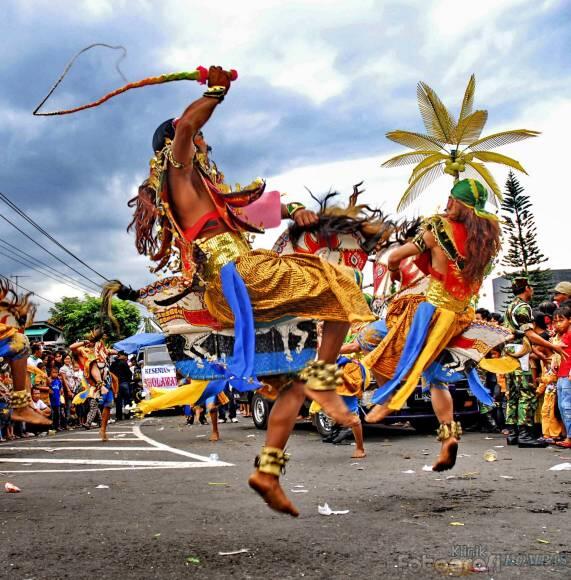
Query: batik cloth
[279, 287]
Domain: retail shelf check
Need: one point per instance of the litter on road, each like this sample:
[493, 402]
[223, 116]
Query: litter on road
[11, 488]
[325, 510]
[561, 467]
[242, 551]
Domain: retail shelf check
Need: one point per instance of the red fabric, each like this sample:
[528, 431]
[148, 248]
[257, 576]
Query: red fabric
[453, 281]
[460, 236]
[201, 318]
[190, 234]
[565, 366]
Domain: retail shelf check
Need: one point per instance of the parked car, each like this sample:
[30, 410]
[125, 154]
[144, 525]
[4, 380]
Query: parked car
[417, 411]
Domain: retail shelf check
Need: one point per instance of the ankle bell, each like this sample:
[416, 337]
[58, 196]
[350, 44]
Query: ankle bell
[272, 461]
[447, 430]
[21, 399]
[321, 376]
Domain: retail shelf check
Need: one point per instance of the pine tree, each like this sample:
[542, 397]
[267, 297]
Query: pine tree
[523, 256]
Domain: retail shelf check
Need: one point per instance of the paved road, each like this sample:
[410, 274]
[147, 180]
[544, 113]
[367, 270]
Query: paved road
[169, 509]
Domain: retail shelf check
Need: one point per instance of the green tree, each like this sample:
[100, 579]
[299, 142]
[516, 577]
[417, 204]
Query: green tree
[523, 256]
[77, 316]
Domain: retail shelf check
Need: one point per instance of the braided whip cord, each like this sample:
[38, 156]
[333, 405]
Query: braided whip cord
[200, 75]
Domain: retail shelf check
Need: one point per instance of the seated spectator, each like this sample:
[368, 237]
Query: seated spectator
[38, 404]
[40, 407]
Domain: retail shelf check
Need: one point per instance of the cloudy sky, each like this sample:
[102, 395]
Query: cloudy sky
[321, 82]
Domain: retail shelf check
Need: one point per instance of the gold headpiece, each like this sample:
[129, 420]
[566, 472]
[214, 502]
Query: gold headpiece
[468, 152]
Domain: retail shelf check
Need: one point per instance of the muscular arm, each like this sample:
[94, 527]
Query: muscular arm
[302, 216]
[192, 120]
[534, 338]
[195, 117]
[409, 249]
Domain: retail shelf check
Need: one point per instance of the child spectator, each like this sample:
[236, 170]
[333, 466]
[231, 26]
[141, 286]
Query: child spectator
[56, 392]
[562, 325]
[551, 426]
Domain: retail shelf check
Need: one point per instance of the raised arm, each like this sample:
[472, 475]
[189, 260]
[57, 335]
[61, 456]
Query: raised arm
[195, 117]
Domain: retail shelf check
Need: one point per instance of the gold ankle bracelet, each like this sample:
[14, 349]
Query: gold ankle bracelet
[21, 399]
[447, 430]
[321, 376]
[271, 460]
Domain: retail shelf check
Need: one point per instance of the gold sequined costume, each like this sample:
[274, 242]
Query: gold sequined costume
[297, 285]
[445, 325]
[449, 295]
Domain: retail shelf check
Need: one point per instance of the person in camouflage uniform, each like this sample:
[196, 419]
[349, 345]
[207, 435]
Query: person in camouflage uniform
[521, 397]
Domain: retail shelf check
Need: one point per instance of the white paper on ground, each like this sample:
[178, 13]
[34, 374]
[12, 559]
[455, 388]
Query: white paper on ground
[325, 510]
[561, 467]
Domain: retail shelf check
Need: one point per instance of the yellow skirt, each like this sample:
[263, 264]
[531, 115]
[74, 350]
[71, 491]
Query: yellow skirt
[296, 285]
[444, 326]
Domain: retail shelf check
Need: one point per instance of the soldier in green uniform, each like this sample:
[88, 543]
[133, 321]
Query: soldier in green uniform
[521, 397]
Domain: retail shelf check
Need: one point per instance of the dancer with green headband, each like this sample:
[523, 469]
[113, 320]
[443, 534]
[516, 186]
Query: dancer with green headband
[455, 250]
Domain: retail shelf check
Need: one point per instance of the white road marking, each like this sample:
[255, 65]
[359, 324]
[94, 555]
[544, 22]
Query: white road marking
[77, 439]
[138, 468]
[138, 433]
[76, 448]
[113, 462]
[108, 464]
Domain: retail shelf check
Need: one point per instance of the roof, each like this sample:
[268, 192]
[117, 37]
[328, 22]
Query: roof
[36, 331]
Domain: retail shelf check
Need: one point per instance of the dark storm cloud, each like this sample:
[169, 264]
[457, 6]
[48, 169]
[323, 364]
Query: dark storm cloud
[74, 174]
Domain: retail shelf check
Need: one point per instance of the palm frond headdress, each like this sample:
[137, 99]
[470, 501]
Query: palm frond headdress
[452, 147]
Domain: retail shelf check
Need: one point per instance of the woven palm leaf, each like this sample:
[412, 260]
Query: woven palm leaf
[492, 157]
[470, 127]
[468, 100]
[437, 119]
[429, 161]
[407, 158]
[419, 184]
[415, 140]
[503, 138]
[487, 177]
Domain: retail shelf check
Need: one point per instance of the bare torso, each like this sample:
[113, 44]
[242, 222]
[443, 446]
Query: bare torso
[190, 199]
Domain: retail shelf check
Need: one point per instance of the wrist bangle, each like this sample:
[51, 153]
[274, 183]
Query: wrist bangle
[293, 207]
[216, 92]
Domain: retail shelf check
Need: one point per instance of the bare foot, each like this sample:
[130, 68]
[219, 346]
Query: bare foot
[359, 454]
[214, 437]
[378, 413]
[30, 415]
[104, 436]
[268, 486]
[447, 457]
[334, 407]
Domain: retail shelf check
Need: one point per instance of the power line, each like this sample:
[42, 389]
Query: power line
[23, 214]
[46, 250]
[38, 270]
[27, 290]
[73, 282]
